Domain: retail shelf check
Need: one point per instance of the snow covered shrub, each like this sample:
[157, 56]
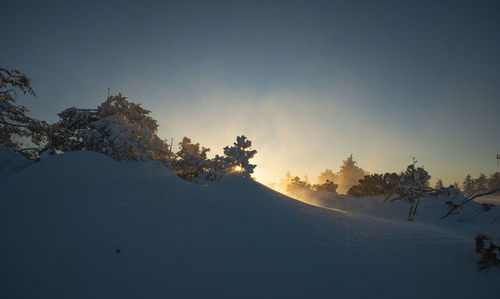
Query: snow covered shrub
[69, 133]
[14, 123]
[391, 181]
[412, 186]
[327, 186]
[490, 253]
[370, 185]
[375, 185]
[237, 157]
[296, 187]
[117, 128]
[191, 161]
[216, 169]
[413, 182]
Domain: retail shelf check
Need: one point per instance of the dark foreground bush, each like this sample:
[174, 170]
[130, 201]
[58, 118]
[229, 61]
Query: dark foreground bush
[490, 253]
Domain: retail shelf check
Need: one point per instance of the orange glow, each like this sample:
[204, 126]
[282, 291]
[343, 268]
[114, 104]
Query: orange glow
[237, 168]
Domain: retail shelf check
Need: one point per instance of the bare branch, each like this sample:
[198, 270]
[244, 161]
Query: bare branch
[467, 200]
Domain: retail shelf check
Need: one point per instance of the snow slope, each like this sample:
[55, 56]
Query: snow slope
[11, 162]
[61, 221]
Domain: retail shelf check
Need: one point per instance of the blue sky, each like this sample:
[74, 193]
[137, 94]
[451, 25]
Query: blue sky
[309, 82]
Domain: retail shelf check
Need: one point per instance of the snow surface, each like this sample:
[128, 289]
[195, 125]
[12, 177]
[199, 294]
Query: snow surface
[11, 162]
[62, 219]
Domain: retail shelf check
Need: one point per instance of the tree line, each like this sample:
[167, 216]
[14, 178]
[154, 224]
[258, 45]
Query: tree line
[120, 129]
[348, 175]
[410, 185]
[482, 182]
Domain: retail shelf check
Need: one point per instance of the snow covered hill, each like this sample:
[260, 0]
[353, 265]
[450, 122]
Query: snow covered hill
[11, 162]
[63, 219]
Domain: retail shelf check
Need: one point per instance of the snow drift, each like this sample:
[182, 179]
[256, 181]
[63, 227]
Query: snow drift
[63, 219]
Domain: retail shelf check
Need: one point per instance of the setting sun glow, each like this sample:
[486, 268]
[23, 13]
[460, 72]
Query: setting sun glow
[237, 168]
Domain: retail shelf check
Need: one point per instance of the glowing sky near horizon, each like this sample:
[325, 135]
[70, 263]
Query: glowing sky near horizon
[309, 82]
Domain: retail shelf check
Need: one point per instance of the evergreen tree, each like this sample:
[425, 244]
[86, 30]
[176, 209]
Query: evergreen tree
[494, 181]
[191, 160]
[326, 175]
[296, 187]
[439, 184]
[69, 134]
[349, 175]
[370, 185]
[237, 156]
[391, 181]
[481, 182]
[375, 185]
[214, 169]
[468, 185]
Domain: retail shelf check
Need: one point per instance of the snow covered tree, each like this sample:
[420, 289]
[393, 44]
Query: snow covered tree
[370, 185]
[439, 184]
[237, 156]
[481, 182]
[125, 131]
[391, 181]
[296, 187]
[326, 175]
[69, 133]
[468, 185]
[117, 128]
[494, 181]
[15, 125]
[191, 161]
[412, 186]
[349, 175]
[327, 186]
[192, 164]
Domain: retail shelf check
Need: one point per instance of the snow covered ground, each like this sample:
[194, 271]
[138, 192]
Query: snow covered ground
[63, 219]
[11, 162]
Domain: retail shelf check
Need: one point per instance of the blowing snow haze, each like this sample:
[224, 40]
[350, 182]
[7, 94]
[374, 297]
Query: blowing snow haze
[137, 141]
